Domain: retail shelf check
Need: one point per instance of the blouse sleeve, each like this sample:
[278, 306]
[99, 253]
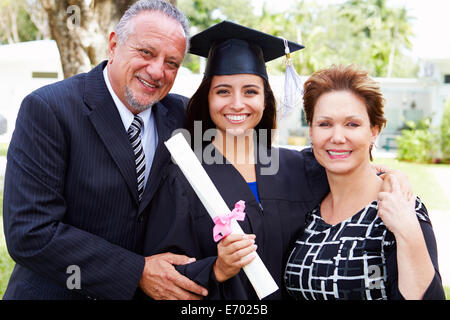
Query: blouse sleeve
[435, 290]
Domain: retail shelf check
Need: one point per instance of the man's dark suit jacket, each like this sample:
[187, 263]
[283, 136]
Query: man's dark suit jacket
[70, 195]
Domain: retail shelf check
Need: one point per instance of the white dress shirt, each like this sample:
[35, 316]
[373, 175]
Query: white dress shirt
[149, 133]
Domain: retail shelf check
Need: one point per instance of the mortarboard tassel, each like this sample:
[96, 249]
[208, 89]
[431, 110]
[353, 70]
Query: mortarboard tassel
[293, 86]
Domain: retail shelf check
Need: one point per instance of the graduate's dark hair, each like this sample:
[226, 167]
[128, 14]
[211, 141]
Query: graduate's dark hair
[346, 78]
[198, 110]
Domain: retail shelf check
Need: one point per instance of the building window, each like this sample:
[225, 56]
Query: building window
[447, 78]
[303, 118]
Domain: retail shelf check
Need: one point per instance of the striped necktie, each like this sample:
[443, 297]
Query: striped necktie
[135, 138]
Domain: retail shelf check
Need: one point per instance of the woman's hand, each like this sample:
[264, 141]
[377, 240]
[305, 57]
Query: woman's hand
[234, 252]
[405, 184]
[397, 210]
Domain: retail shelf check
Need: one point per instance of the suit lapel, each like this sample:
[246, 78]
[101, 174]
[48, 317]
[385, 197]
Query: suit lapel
[106, 120]
[165, 124]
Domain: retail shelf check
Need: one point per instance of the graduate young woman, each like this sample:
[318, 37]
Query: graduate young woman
[278, 186]
[360, 242]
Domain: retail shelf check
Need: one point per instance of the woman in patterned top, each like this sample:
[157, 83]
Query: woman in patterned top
[361, 242]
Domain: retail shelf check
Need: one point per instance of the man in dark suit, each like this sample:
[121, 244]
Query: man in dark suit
[84, 162]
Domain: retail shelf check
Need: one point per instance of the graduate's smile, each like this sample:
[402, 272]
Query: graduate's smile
[237, 118]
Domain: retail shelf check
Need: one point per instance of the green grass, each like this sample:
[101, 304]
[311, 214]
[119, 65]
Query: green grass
[6, 263]
[3, 149]
[424, 181]
[447, 292]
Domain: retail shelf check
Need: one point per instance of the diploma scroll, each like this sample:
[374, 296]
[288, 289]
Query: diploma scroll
[183, 155]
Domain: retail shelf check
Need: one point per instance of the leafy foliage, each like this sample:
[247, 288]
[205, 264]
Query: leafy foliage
[205, 13]
[418, 143]
[15, 22]
[368, 33]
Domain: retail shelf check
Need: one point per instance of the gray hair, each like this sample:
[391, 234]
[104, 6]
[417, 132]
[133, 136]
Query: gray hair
[124, 27]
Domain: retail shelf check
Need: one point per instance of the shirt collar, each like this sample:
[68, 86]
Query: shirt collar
[126, 115]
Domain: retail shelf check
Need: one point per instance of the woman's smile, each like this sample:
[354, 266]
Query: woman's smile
[237, 118]
[339, 154]
[341, 131]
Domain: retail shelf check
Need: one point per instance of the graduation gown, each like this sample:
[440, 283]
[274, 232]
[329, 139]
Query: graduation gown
[179, 223]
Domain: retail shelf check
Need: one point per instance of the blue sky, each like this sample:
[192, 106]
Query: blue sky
[431, 24]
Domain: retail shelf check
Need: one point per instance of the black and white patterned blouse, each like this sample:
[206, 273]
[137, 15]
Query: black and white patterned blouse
[354, 259]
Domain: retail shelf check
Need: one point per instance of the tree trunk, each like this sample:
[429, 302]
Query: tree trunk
[14, 29]
[8, 22]
[81, 30]
[391, 60]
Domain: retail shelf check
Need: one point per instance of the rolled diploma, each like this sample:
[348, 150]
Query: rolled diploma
[205, 189]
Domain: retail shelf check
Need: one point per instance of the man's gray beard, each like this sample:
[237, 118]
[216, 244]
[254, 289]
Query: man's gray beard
[134, 104]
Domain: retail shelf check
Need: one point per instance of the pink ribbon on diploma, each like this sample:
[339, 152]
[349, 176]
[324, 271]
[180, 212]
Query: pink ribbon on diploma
[222, 226]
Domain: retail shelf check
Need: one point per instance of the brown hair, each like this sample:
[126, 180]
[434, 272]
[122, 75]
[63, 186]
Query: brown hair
[345, 78]
[198, 109]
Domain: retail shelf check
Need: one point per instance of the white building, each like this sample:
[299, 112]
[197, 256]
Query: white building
[24, 67]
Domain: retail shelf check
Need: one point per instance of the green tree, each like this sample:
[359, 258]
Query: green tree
[368, 33]
[15, 22]
[388, 31]
[205, 13]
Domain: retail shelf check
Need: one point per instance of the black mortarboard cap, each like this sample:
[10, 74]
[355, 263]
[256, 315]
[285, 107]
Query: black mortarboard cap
[235, 49]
